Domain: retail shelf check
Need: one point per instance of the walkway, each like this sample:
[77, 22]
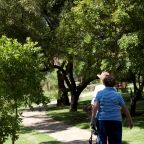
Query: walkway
[67, 134]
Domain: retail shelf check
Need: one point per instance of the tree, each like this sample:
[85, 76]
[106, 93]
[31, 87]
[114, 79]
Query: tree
[37, 19]
[85, 36]
[83, 42]
[20, 77]
[131, 44]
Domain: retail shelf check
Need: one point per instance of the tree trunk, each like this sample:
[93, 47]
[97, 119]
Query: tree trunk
[74, 102]
[13, 142]
[75, 96]
[67, 76]
[62, 91]
[134, 97]
[133, 105]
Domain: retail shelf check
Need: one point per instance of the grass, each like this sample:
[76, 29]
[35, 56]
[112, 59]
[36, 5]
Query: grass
[80, 119]
[28, 136]
[134, 136]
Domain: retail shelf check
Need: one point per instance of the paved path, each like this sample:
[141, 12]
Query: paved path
[58, 130]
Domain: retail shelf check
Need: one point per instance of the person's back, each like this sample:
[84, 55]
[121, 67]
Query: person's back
[110, 103]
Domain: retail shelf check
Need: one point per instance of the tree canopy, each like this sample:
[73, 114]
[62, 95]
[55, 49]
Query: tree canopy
[81, 37]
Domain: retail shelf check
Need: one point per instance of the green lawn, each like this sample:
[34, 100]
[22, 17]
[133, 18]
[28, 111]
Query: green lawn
[134, 136]
[29, 136]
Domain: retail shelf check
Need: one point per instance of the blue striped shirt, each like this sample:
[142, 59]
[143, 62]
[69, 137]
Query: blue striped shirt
[110, 103]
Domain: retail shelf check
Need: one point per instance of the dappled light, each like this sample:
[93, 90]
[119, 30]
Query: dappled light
[52, 50]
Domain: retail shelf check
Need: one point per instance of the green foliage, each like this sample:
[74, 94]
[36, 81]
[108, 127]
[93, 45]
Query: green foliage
[89, 33]
[20, 78]
[9, 123]
[21, 19]
[95, 35]
[131, 41]
[20, 67]
[80, 35]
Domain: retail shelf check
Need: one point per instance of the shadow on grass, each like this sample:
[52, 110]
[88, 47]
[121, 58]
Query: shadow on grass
[25, 130]
[124, 142]
[79, 117]
[138, 120]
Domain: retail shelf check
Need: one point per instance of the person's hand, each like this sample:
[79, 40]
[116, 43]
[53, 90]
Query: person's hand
[93, 126]
[130, 124]
[127, 113]
[93, 122]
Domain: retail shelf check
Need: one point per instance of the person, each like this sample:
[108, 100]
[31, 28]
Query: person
[94, 126]
[108, 102]
[99, 87]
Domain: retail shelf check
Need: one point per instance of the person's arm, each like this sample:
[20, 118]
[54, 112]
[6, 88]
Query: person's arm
[93, 96]
[128, 116]
[125, 110]
[95, 107]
